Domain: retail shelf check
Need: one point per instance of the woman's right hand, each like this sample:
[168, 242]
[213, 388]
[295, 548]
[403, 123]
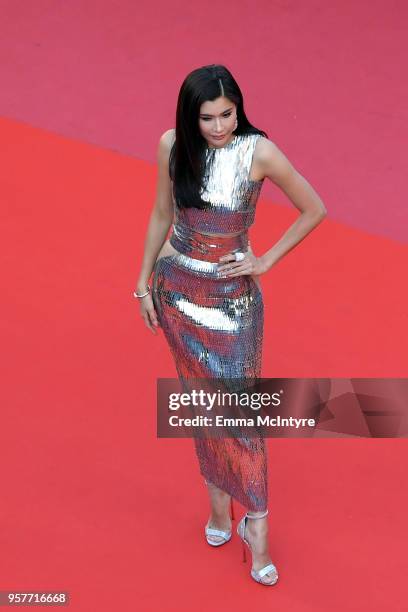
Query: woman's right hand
[148, 313]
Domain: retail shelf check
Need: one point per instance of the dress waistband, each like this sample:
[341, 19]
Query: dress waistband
[206, 247]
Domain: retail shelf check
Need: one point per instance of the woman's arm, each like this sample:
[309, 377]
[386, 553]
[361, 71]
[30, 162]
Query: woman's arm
[275, 166]
[161, 216]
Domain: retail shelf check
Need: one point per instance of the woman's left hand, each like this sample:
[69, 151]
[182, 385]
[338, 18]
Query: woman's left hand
[251, 265]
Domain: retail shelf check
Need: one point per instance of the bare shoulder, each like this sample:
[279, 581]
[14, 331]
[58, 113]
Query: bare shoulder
[165, 143]
[264, 148]
[167, 138]
[271, 162]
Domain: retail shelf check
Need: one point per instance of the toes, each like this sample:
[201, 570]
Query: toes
[269, 578]
[215, 539]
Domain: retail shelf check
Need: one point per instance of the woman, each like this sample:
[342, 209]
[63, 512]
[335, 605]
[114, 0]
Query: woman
[205, 293]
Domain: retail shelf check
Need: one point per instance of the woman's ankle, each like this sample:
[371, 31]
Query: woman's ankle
[220, 503]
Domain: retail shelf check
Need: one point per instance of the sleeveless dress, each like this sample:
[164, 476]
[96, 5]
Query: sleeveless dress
[214, 325]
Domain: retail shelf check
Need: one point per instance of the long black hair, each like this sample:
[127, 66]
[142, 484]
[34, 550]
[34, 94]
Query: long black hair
[187, 155]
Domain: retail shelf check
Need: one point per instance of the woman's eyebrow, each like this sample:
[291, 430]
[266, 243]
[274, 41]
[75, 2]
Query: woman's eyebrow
[208, 115]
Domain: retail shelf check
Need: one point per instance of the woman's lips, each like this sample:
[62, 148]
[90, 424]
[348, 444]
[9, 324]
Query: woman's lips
[219, 137]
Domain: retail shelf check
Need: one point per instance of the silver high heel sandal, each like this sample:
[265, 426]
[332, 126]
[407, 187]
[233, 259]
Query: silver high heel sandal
[225, 535]
[268, 569]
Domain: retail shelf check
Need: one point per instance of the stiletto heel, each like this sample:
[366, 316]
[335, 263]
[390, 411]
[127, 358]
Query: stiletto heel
[243, 553]
[232, 511]
[257, 575]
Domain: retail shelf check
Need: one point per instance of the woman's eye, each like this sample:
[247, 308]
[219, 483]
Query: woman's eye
[209, 119]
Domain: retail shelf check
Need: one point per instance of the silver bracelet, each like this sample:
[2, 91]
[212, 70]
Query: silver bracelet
[140, 295]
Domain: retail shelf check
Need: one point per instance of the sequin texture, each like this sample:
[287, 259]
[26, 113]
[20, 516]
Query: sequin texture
[214, 325]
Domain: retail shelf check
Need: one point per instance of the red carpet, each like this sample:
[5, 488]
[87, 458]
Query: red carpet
[93, 503]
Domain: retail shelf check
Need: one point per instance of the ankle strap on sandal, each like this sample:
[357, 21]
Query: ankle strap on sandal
[259, 515]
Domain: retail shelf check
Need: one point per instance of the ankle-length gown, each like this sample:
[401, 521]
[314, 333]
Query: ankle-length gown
[214, 325]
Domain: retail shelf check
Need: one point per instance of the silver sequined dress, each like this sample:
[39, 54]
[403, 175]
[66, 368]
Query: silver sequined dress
[214, 325]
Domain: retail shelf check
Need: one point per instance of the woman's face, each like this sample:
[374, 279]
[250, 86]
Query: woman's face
[217, 121]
